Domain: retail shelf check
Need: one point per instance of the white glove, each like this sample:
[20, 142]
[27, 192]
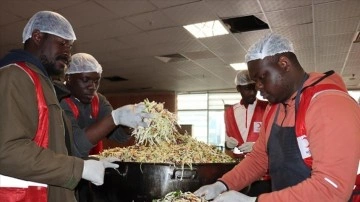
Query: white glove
[246, 147]
[211, 191]
[94, 171]
[234, 196]
[131, 116]
[230, 142]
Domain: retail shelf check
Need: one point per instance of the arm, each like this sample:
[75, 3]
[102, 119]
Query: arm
[20, 157]
[85, 138]
[251, 168]
[119, 134]
[333, 127]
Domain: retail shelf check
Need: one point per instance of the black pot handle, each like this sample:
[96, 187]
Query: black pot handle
[181, 174]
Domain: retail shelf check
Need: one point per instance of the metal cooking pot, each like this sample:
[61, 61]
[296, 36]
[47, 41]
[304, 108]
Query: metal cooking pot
[147, 181]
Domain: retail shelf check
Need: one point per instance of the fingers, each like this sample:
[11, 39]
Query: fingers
[200, 192]
[246, 147]
[138, 108]
[147, 115]
[110, 165]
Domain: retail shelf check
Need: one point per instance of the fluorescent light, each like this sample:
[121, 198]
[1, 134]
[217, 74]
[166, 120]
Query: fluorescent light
[206, 29]
[239, 66]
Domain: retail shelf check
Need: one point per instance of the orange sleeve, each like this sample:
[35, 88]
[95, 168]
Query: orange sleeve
[333, 129]
[252, 168]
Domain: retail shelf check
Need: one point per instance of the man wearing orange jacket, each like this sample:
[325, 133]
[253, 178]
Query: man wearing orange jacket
[310, 135]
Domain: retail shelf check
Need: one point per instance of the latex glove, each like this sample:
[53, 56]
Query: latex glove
[211, 191]
[131, 116]
[234, 196]
[230, 142]
[94, 170]
[246, 147]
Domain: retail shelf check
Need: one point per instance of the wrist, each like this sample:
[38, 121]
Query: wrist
[113, 115]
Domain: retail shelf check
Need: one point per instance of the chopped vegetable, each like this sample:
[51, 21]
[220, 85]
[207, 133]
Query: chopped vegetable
[162, 127]
[179, 196]
[185, 151]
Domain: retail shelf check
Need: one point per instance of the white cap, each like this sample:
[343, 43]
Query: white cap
[269, 45]
[83, 63]
[243, 78]
[51, 23]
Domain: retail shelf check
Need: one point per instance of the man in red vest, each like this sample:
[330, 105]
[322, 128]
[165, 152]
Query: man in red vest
[91, 115]
[35, 134]
[243, 120]
[309, 139]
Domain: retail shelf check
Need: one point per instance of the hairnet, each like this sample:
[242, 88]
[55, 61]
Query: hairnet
[269, 45]
[51, 23]
[243, 78]
[82, 63]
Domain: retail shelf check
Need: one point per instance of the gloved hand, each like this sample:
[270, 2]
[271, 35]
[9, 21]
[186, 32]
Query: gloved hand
[131, 116]
[94, 170]
[246, 147]
[210, 191]
[230, 142]
[234, 196]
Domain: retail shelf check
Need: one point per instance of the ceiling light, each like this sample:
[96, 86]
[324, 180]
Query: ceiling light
[239, 66]
[207, 29]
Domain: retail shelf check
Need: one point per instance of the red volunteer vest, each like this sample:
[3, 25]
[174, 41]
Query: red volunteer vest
[300, 128]
[94, 114]
[232, 129]
[32, 193]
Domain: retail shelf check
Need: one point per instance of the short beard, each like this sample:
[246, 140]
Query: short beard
[50, 66]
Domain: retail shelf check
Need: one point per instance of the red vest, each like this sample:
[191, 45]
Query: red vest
[232, 129]
[33, 192]
[94, 114]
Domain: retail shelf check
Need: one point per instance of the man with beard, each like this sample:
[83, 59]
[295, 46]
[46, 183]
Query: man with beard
[310, 135]
[34, 161]
[243, 121]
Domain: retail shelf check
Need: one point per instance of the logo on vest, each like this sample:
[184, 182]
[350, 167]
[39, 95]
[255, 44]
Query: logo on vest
[303, 144]
[257, 126]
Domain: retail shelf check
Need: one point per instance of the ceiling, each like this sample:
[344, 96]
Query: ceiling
[126, 35]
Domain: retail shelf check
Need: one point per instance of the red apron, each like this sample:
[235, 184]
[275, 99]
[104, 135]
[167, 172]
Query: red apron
[94, 114]
[16, 190]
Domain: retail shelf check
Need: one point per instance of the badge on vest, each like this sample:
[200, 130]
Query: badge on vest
[304, 146]
[257, 126]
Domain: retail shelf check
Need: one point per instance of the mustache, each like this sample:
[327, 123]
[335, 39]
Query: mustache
[64, 58]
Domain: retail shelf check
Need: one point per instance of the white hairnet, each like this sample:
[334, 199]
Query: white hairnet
[243, 78]
[83, 63]
[51, 23]
[269, 45]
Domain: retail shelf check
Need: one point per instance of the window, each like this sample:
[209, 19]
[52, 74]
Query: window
[205, 112]
[355, 94]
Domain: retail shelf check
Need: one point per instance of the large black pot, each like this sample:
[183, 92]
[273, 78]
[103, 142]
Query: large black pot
[146, 181]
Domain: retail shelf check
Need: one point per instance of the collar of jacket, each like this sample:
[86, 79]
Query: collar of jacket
[19, 55]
